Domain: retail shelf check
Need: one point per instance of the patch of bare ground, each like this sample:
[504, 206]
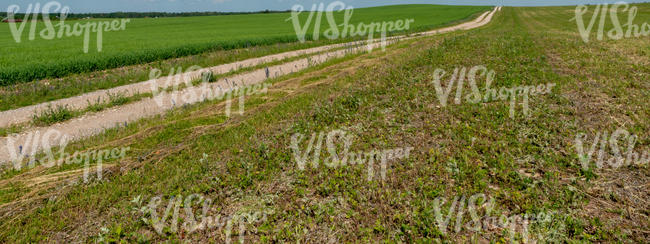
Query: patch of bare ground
[620, 198]
[635, 50]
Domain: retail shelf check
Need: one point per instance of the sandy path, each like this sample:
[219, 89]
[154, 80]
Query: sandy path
[42, 138]
[24, 114]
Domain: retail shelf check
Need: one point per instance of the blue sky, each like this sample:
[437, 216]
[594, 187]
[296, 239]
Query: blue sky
[84, 6]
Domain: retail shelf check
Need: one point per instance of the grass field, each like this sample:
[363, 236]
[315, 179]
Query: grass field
[386, 100]
[151, 39]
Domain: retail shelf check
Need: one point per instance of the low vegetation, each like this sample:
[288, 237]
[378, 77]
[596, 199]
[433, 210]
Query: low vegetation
[527, 163]
[52, 115]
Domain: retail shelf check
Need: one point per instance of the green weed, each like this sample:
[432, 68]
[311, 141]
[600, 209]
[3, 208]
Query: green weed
[52, 115]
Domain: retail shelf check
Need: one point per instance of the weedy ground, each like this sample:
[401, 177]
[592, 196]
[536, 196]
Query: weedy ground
[527, 163]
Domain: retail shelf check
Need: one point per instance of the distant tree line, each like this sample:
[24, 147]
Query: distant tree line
[141, 14]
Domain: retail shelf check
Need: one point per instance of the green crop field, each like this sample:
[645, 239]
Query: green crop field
[150, 39]
[527, 163]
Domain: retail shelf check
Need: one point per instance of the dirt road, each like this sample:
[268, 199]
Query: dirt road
[38, 139]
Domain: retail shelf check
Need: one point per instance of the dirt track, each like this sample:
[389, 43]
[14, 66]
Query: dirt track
[92, 124]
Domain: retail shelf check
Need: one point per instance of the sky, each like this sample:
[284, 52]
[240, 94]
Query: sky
[104, 6]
